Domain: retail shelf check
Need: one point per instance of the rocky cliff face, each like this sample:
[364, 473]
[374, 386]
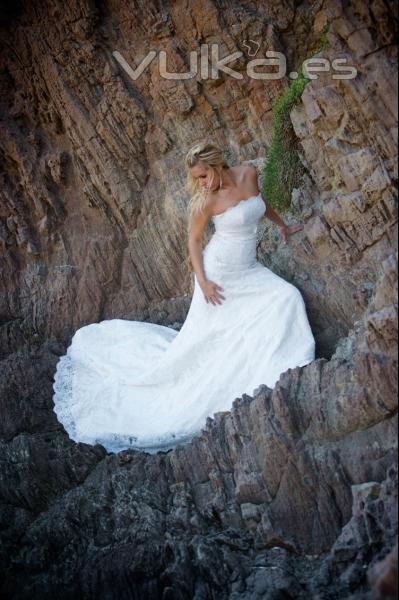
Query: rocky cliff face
[293, 493]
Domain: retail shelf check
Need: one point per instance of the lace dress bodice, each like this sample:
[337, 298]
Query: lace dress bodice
[232, 247]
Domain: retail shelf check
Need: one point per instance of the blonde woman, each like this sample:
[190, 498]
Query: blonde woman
[225, 187]
[130, 384]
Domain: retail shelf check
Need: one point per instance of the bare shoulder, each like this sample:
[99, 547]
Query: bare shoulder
[249, 170]
[249, 175]
[198, 223]
[208, 206]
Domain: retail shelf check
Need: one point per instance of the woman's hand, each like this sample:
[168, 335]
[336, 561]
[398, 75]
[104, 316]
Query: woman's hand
[287, 230]
[211, 292]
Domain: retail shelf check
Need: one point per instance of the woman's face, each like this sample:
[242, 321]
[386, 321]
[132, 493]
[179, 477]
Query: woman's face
[204, 175]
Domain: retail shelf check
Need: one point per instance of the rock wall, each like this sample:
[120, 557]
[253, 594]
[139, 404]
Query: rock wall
[293, 493]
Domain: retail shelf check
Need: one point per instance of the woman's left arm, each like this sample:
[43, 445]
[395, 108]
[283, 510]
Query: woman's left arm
[285, 230]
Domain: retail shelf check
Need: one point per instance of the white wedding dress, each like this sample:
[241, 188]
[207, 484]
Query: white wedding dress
[132, 384]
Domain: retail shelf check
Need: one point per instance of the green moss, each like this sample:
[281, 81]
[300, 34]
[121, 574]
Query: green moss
[283, 169]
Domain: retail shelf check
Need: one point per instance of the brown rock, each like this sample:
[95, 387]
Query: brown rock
[291, 494]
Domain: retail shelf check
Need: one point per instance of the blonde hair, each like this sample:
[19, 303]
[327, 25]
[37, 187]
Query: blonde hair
[210, 154]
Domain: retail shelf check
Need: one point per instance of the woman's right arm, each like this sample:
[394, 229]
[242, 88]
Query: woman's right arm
[212, 291]
[198, 224]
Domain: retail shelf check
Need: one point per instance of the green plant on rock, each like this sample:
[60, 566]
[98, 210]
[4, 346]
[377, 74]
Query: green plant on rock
[283, 168]
[324, 41]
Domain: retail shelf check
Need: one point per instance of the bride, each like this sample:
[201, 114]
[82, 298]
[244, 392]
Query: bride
[132, 384]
